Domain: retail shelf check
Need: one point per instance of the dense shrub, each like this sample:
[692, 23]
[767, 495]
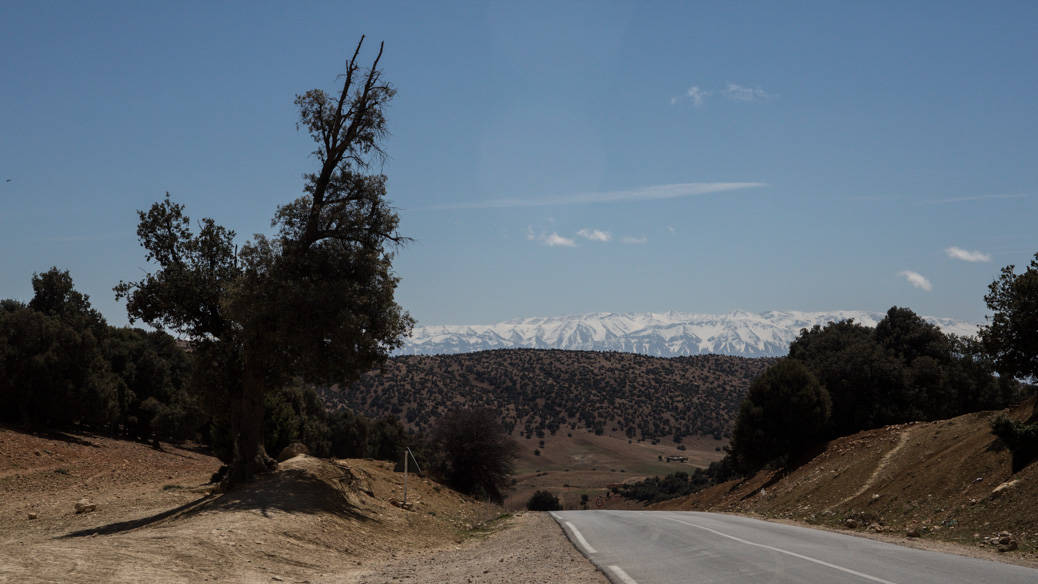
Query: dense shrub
[543, 501]
[785, 411]
[472, 453]
[903, 370]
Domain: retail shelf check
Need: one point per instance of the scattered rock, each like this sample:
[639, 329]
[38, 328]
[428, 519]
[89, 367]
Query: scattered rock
[1001, 489]
[851, 523]
[913, 530]
[1008, 547]
[32, 515]
[85, 506]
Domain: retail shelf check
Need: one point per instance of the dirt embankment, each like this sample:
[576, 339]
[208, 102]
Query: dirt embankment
[947, 481]
[157, 520]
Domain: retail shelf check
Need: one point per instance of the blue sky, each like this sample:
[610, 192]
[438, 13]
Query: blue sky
[552, 158]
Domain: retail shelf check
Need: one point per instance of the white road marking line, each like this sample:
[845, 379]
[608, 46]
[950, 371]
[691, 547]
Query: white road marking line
[622, 575]
[787, 552]
[580, 538]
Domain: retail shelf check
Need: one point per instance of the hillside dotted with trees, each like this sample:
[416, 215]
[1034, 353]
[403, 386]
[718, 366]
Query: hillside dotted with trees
[542, 392]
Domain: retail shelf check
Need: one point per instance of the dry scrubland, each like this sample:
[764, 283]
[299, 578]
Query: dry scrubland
[540, 392]
[157, 520]
[596, 418]
[944, 481]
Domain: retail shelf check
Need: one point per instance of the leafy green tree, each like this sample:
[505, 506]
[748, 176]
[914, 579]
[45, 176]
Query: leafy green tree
[153, 396]
[1011, 336]
[314, 300]
[864, 382]
[908, 337]
[787, 410]
[52, 371]
[54, 294]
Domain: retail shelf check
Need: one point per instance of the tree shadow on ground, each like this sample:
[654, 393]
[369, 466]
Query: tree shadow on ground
[56, 435]
[289, 491]
[120, 526]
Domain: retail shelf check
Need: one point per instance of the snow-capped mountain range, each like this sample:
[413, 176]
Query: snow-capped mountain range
[662, 334]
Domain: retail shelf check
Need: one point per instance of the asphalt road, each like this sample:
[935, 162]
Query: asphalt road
[660, 547]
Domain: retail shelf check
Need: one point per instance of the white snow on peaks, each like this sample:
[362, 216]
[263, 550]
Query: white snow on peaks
[663, 334]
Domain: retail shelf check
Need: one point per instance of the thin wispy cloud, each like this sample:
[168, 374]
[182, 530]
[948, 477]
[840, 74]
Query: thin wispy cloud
[650, 193]
[957, 253]
[916, 279]
[736, 92]
[670, 228]
[973, 198]
[631, 240]
[595, 234]
[732, 92]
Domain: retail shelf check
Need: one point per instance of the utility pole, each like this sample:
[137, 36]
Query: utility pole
[408, 453]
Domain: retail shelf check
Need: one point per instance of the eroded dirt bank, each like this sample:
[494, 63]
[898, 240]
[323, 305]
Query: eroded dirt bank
[944, 485]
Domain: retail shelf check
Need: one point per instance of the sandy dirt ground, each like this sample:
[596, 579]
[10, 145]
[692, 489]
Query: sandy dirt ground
[315, 521]
[529, 548]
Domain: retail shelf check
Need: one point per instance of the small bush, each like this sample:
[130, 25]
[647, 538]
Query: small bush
[1021, 438]
[543, 501]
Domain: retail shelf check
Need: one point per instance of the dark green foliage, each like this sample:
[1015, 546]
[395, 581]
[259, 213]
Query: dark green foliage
[387, 439]
[52, 370]
[153, 388]
[1011, 338]
[903, 370]
[295, 414]
[52, 374]
[679, 484]
[1020, 437]
[55, 295]
[908, 337]
[472, 453]
[786, 411]
[349, 434]
[543, 501]
[63, 366]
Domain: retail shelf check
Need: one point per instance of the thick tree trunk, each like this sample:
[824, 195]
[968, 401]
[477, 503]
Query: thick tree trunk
[250, 458]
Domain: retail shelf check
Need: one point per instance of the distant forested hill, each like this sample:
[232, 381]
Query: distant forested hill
[541, 392]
